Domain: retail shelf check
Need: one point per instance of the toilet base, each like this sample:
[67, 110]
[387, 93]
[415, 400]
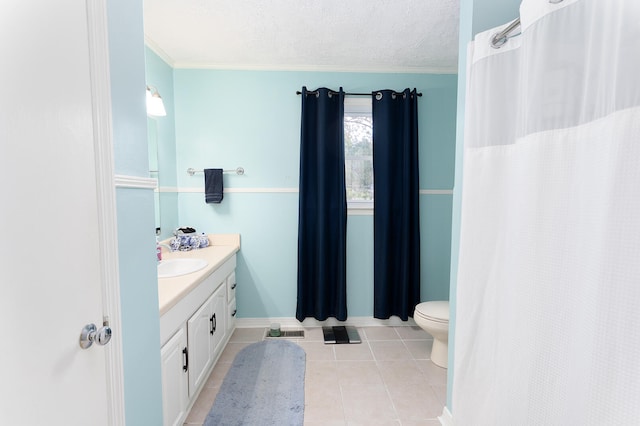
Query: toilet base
[440, 353]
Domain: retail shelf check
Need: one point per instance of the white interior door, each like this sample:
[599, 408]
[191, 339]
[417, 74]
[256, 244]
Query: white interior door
[51, 265]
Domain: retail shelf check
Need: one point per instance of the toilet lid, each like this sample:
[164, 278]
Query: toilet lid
[437, 310]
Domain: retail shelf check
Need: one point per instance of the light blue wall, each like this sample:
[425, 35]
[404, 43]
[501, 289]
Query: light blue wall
[135, 215]
[127, 89]
[140, 317]
[493, 13]
[252, 119]
[475, 16]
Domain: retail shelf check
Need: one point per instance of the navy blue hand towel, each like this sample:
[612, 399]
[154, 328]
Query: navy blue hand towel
[213, 185]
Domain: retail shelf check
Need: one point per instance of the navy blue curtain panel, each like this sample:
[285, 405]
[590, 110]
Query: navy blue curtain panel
[322, 215]
[396, 219]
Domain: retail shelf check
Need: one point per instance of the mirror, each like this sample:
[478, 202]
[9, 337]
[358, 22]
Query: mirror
[154, 172]
[162, 144]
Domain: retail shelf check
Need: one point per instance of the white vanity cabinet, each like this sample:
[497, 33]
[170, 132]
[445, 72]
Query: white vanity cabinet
[231, 300]
[193, 333]
[175, 392]
[205, 332]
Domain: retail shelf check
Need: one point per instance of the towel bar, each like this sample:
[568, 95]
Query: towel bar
[239, 171]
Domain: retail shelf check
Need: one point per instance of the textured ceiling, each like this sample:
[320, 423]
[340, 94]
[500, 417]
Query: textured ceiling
[341, 35]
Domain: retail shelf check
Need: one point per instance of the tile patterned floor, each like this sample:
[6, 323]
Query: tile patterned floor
[388, 379]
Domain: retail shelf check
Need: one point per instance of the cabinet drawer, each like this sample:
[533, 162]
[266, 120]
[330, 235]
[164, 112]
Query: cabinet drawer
[231, 287]
[231, 318]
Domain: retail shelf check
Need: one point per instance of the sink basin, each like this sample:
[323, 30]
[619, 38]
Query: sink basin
[176, 267]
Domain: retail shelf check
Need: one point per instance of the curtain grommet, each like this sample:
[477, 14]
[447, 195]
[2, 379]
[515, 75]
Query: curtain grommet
[378, 96]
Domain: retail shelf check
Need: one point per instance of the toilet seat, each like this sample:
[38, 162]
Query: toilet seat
[436, 311]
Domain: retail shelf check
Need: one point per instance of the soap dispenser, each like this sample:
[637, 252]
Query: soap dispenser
[158, 249]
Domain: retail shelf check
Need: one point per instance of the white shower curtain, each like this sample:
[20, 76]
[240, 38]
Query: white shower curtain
[548, 296]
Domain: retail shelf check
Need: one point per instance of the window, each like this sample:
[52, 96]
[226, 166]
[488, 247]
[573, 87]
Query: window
[358, 150]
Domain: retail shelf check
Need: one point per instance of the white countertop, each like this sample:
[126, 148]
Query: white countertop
[221, 248]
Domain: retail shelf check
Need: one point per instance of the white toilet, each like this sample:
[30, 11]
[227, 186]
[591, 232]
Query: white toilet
[433, 317]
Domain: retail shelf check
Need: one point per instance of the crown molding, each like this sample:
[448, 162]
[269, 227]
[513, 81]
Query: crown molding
[314, 68]
[158, 51]
[296, 67]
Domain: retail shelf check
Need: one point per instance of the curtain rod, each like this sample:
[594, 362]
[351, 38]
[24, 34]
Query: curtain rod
[501, 38]
[352, 94]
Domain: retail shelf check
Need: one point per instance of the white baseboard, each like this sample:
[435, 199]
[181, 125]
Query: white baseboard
[288, 322]
[446, 419]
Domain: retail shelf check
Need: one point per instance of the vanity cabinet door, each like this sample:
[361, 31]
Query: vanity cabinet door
[206, 330]
[175, 395]
[220, 311]
[200, 330]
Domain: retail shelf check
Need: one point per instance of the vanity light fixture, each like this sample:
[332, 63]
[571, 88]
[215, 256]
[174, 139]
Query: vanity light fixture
[155, 106]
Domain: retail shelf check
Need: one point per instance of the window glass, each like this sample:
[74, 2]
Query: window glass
[358, 147]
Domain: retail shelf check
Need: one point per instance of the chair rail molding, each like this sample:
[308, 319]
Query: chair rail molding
[127, 181]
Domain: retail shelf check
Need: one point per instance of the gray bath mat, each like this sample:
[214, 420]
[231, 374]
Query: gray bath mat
[264, 386]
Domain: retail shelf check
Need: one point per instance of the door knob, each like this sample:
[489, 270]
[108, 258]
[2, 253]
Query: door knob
[90, 335]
